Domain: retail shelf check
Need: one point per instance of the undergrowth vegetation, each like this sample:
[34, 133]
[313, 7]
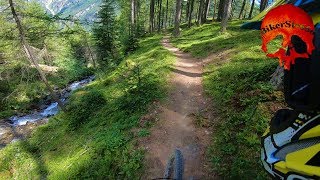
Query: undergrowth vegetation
[239, 86]
[94, 139]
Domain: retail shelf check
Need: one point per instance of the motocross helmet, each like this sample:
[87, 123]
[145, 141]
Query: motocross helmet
[291, 145]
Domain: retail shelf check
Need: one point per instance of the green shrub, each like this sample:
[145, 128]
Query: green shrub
[130, 44]
[83, 104]
[139, 93]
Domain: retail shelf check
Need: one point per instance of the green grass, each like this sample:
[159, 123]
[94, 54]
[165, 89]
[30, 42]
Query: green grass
[240, 91]
[94, 138]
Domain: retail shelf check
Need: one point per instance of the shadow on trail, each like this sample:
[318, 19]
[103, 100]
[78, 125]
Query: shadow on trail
[189, 74]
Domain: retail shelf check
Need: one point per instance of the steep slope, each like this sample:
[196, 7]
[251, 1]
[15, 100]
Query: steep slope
[95, 138]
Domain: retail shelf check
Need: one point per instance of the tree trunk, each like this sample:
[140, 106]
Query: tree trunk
[263, 5]
[242, 8]
[226, 15]
[196, 15]
[176, 31]
[187, 10]
[251, 10]
[136, 15]
[277, 78]
[170, 18]
[220, 10]
[136, 11]
[132, 19]
[159, 18]
[30, 55]
[190, 13]
[151, 23]
[167, 10]
[181, 11]
[162, 17]
[214, 10]
[205, 11]
[208, 8]
[156, 7]
[200, 11]
[232, 9]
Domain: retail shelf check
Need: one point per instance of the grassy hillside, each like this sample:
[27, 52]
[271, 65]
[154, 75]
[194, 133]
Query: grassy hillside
[94, 138]
[237, 80]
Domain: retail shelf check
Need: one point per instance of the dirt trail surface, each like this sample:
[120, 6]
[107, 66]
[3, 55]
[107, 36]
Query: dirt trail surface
[179, 119]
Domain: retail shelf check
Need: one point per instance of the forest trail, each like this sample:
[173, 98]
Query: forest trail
[179, 119]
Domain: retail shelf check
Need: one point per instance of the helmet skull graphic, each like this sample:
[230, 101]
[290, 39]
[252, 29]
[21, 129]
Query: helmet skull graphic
[287, 21]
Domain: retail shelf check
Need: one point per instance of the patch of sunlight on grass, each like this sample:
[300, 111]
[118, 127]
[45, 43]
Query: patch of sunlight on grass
[75, 160]
[22, 97]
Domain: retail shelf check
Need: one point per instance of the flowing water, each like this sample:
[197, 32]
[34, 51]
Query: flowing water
[19, 122]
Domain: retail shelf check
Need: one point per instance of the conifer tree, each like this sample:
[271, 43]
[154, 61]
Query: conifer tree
[104, 33]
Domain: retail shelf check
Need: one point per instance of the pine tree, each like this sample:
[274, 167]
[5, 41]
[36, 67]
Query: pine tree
[105, 33]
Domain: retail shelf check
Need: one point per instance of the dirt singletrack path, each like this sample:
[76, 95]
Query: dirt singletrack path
[176, 128]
